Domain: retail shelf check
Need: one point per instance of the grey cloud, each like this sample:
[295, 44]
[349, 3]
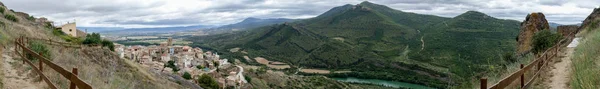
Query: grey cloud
[220, 12]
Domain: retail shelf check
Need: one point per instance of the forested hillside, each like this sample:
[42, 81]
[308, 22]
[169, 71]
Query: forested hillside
[375, 41]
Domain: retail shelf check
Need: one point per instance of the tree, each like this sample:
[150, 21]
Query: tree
[208, 82]
[187, 76]
[93, 38]
[543, 40]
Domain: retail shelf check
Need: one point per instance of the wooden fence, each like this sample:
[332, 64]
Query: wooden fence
[71, 76]
[540, 63]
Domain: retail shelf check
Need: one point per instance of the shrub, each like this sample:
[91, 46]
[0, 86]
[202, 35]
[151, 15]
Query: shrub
[38, 47]
[11, 17]
[109, 44]
[187, 76]
[509, 57]
[543, 40]
[200, 67]
[171, 64]
[207, 82]
[2, 10]
[248, 78]
[31, 18]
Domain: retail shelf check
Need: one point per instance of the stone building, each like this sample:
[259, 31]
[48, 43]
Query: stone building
[71, 30]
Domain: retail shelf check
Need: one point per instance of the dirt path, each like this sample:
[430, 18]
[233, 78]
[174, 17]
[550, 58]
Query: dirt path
[15, 76]
[561, 71]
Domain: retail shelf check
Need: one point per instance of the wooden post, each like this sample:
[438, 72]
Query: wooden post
[522, 77]
[41, 66]
[483, 83]
[73, 84]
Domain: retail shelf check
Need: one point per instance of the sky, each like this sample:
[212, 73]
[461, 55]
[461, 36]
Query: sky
[168, 13]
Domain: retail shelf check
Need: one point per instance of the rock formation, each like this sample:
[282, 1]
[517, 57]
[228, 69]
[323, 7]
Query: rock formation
[592, 19]
[533, 23]
[566, 30]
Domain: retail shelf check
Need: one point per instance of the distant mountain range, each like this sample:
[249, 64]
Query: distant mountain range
[378, 42]
[247, 23]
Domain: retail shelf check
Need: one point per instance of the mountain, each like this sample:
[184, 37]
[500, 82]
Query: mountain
[378, 42]
[99, 29]
[251, 22]
[248, 23]
[138, 31]
[553, 25]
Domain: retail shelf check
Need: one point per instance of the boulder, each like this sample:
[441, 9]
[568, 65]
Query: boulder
[533, 23]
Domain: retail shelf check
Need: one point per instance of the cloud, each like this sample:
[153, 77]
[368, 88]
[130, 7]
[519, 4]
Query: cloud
[164, 13]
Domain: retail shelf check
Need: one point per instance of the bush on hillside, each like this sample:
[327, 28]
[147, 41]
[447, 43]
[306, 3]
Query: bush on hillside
[543, 40]
[171, 64]
[31, 18]
[2, 10]
[109, 44]
[509, 57]
[38, 47]
[93, 38]
[187, 76]
[207, 82]
[11, 17]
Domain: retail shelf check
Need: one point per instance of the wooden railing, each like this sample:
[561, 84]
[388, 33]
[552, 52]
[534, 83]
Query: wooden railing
[71, 76]
[540, 62]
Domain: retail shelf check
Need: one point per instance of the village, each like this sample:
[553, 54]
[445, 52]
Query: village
[179, 60]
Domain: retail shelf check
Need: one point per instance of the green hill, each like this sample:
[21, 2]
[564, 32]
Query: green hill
[375, 41]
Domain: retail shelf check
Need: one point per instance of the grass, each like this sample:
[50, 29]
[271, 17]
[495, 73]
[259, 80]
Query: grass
[586, 65]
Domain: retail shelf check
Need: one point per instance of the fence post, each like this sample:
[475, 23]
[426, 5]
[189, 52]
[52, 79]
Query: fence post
[73, 76]
[522, 77]
[483, 83]
[40, 62]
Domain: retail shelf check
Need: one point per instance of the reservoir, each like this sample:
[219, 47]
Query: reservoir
[383, 82]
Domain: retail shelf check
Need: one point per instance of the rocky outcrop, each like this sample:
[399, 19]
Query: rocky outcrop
[533, 23]
[592, 20]
[567, 30]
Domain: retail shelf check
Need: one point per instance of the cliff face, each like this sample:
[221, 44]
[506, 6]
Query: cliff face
[565, 30]
[592, 19]
[534, 22]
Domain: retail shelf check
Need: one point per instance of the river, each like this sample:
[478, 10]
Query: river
[383, 82]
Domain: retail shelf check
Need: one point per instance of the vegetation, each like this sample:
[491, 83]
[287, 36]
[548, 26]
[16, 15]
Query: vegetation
[11, 17]
[2, 10]
[40, 48]
[200, 67]
[543, 40]
[109, 44]
[208, 82]
[31, 18]
[586, 65]
[187, 76]
[381, 43]
[171, 64]
[93, 38]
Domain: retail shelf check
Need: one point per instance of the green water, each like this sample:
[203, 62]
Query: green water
[383, 82]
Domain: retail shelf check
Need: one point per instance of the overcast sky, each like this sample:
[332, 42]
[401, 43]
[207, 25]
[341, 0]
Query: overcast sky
[161, 13]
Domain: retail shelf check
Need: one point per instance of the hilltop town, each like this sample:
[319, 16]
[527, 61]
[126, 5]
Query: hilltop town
[169, 58]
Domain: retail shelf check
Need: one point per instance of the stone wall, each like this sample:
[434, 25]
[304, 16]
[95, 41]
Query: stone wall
[565, 30]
